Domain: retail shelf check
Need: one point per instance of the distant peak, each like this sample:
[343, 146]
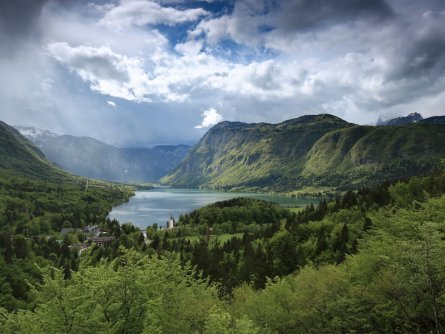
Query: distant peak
[411, 118]
[35, 135]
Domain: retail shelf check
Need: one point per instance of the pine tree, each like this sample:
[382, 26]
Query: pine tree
[342, 243]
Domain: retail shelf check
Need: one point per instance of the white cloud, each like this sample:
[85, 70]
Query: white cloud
[265, 70]
[111, 103]
[210, 117]
[112, 74]
[143, 12]
[107, 72]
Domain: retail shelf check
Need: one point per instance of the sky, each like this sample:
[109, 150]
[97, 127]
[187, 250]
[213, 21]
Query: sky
[147, 72]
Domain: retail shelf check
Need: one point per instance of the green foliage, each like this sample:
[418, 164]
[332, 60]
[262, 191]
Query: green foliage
[36, 201]
[238, 211]
[394, 284]
[132, 294]
[220, 322]
[364, 155]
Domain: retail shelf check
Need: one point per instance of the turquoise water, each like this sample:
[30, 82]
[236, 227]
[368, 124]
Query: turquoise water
[156, 205]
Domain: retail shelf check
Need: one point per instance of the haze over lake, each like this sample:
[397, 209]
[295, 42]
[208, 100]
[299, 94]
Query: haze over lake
[156, 205]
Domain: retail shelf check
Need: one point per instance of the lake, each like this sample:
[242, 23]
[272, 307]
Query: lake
[156, 205]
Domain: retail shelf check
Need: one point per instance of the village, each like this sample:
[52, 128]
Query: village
[94, 235]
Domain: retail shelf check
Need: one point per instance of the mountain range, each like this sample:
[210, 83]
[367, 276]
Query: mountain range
[411, 118]
[92, 158]
[19, 157]
[314, 150]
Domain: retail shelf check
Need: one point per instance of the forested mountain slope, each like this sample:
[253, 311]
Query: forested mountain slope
[234, 154]
[37, 200]
[320, 150]
[369, 155]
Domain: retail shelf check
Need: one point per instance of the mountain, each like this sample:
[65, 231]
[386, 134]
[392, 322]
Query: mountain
[18, 156]
[411, 118]
[434, 120]
[365, 155]
[320, 150]
[90, 157]
[35, 135]
[235, 154]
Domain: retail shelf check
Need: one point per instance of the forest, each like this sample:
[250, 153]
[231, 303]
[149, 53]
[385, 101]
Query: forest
[368, 261]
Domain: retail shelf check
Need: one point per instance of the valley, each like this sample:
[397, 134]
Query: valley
[89, 157]
[222, 167]
[75, 240]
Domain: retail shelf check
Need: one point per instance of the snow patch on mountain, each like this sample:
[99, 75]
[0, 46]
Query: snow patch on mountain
[36, 136]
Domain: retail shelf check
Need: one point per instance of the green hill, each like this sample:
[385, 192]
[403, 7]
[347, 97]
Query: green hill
[365, 154]
[38, 200]
[320, 150]
[234, 154]
[35, 193]
[18, 156]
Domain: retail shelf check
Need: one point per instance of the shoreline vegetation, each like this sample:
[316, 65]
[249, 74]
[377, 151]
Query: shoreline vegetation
[305, 192]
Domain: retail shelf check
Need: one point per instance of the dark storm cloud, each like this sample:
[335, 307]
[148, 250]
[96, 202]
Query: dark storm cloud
[310, 14]
[17, 17]
[424, 56]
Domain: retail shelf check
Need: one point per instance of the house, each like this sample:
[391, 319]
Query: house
[92, 229]
[101, 241]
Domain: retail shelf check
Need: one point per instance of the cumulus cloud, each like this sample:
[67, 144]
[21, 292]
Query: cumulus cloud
[143, 12]
[111, 73]
[210, 117]
[107, 72]
[258, 60]
[111, 103]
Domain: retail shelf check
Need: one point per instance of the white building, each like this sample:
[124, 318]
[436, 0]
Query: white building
[170, 223]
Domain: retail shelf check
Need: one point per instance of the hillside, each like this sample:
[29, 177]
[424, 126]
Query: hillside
[234, 154]
[320, 150]
[37, 200]
[434, 120]
[365, 155]
[90, 157]
[18, 156]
